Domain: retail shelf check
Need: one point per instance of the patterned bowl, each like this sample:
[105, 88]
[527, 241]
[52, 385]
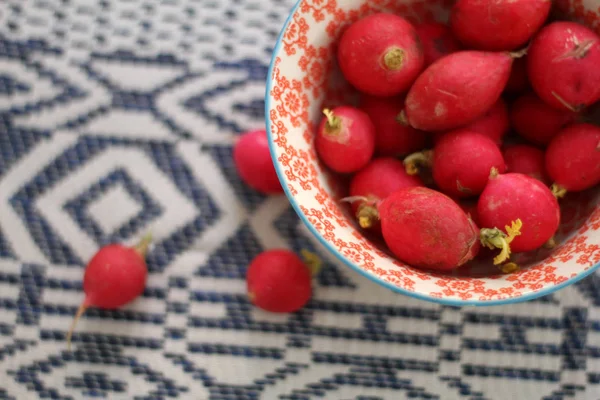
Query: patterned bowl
[303, 78]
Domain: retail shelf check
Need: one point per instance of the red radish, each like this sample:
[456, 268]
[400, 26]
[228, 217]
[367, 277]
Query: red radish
[469, 206]
[461, 162]
[573, 159]
[253, 162]
[345, 141]
[562, 64]
[536, 121]
[493, 124]
[437, 41]
[518, 203]
[457, 89]
[518, 81]
[279, 281]
[375, 182]
[497, 25]
[427, 229]
[115, 276]
[526, 160]
[391, 138]
[380, 54]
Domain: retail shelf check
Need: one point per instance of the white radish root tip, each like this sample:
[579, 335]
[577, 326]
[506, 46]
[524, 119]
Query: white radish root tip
[80, 312]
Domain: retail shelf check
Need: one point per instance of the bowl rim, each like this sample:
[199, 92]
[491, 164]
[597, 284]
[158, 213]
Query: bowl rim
[421, 296]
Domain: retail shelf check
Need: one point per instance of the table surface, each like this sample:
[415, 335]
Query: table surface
[116, 118]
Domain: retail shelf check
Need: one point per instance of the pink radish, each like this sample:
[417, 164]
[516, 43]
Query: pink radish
[493, 124]
[573, 159]
[526, 160]
[457, 89]
[437, 41]
[375, 182]
[497, 25]
[391, 137]
[114, 277]
[380, 54]
[279, 281]
[536, 121]
[524, 207]
[345, 141]
[518, 81]
[562, 64]
[254, 164]
[461, 162]
[427, 229]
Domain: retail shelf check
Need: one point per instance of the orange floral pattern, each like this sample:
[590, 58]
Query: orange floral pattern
[305, 78]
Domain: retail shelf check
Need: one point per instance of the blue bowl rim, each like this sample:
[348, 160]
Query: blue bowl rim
[356, 267]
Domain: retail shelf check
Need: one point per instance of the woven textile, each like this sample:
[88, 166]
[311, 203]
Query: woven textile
[117, 118]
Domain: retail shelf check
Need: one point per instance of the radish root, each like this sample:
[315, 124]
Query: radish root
[413, 161]
[312, 261]
[558, 191]
[78, 315]
[334, 123]
[496, 239]
[366, 215]
[509, 268]
[144, 244]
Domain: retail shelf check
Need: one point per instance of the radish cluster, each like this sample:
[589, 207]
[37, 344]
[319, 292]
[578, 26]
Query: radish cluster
[468, 134]
[465, 138]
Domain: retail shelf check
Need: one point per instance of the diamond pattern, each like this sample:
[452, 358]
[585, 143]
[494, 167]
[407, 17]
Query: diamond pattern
[120, 121]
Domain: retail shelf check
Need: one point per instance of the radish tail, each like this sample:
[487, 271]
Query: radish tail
[142, 246]
[80, 312]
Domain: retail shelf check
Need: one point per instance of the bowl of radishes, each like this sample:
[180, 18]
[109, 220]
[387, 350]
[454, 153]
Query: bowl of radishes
[445, 150]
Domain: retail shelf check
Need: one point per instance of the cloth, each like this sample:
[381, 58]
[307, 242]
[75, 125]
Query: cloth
[117, 118]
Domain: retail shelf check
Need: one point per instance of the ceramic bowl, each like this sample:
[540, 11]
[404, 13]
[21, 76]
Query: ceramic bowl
[303, 78]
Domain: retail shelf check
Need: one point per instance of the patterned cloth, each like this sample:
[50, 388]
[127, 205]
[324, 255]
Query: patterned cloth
[117, 118]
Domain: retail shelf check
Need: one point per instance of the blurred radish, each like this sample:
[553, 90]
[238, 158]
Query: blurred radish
[115, 276]
[253, 162]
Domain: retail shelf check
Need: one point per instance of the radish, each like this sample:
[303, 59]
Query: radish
[526, 160]
[562, 64]
[437, 41]
[279, 281]
[536, 121]
[426, 229]
[573, 159]
[391, 137]
[253, 162]
[380, 54]
[457, 89]
[469, 206]
[461, 162]
[493, 124]
[115, 276]
[518, 81]
[345, 141]
[524, 206]
[375, 182]
[497, 25]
